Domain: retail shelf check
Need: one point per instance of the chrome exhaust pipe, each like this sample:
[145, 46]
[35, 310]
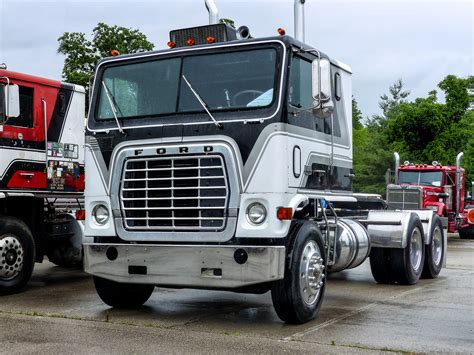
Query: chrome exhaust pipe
[397, 165]
[213, 12]
[458, 182]
[299, 20]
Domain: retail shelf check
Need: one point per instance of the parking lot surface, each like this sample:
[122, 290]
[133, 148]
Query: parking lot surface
[59, 312]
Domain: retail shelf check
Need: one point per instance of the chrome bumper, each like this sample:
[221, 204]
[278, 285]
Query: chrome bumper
[212, 266]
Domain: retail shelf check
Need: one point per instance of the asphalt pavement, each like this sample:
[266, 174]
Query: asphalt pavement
[59, 312]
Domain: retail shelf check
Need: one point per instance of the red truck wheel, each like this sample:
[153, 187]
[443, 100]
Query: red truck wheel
[466, 233]
[17, 255]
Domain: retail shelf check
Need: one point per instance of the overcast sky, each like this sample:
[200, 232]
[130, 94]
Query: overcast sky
[419, 41]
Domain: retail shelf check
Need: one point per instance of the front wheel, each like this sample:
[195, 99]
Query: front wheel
[467, 233]
[298, 297]
[17, 255]
[122, 295]
[435, 250]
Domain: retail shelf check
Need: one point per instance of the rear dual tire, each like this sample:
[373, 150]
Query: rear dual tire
[401, 266]
[434, 251]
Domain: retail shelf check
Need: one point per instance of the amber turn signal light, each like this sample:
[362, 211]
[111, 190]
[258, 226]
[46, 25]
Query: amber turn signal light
[80, 215]
[285, 213]
[470, 215]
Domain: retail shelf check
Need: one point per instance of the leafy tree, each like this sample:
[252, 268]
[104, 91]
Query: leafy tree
[398, 96]
[228, 22]
[82, 54]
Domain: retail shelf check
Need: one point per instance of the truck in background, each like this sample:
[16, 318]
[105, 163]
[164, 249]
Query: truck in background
[41, 174]
[438, 187]
[225, 162]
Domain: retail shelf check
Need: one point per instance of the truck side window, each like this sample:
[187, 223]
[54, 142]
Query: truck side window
[299, 94]
[25, 119]
[300, 98]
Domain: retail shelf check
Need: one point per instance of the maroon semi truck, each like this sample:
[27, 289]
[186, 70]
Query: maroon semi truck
[436, 187]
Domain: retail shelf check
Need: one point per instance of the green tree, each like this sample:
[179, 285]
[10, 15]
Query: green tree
[228, 22]
[83, 54]
[425, 130]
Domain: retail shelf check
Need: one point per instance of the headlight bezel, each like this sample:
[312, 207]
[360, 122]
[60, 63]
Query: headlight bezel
[100, 221]
[255, 207]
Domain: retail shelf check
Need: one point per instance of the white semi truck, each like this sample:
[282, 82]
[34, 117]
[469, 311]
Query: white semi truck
[225, 162]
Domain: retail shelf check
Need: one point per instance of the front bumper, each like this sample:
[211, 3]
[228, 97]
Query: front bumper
[200, 266]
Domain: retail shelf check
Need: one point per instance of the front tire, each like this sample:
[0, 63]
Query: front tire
[17, 255]
[298, 297]
[122, 295]
[467, 233]
[434, 252]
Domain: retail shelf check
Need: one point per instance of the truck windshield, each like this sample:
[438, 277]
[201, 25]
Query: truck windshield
[225, 81]
[429, 178]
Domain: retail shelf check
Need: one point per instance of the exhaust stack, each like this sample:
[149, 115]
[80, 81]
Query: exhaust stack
[299, 20]
[213, 12]
[397, 165]
[458, 182]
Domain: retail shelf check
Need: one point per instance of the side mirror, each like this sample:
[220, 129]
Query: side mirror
[11, 98]
[321, 87]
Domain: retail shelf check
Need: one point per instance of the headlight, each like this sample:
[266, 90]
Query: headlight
[100, 214]
[256, 213]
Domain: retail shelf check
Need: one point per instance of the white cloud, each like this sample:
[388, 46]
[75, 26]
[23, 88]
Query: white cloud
[420, 41]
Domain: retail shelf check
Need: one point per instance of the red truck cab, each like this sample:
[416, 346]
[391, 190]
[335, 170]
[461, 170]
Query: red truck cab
[436, 187]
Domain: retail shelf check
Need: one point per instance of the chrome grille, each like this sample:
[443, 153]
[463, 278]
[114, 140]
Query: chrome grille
[179, 193]
[404, 198]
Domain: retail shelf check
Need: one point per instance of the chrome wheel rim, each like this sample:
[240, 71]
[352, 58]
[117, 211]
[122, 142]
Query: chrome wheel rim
[311, 273]
[416, 249]
[11, 257]
[437, 246]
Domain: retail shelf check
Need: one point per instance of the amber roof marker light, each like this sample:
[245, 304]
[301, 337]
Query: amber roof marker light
[171, 44]
[114, 52]
[210, 39]
[281, 31]
[190, 42]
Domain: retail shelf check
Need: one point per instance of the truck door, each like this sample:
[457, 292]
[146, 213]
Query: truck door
[22, 155]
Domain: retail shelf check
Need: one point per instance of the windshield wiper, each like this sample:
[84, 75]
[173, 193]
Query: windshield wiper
[202, 102]
[112, 106]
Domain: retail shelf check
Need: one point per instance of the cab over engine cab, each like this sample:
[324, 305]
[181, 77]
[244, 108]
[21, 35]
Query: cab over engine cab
[225, 163]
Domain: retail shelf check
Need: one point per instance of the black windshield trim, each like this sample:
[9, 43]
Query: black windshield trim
[231, 115]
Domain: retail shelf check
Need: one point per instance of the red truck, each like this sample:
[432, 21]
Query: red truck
[41, 174]
[436, 187]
